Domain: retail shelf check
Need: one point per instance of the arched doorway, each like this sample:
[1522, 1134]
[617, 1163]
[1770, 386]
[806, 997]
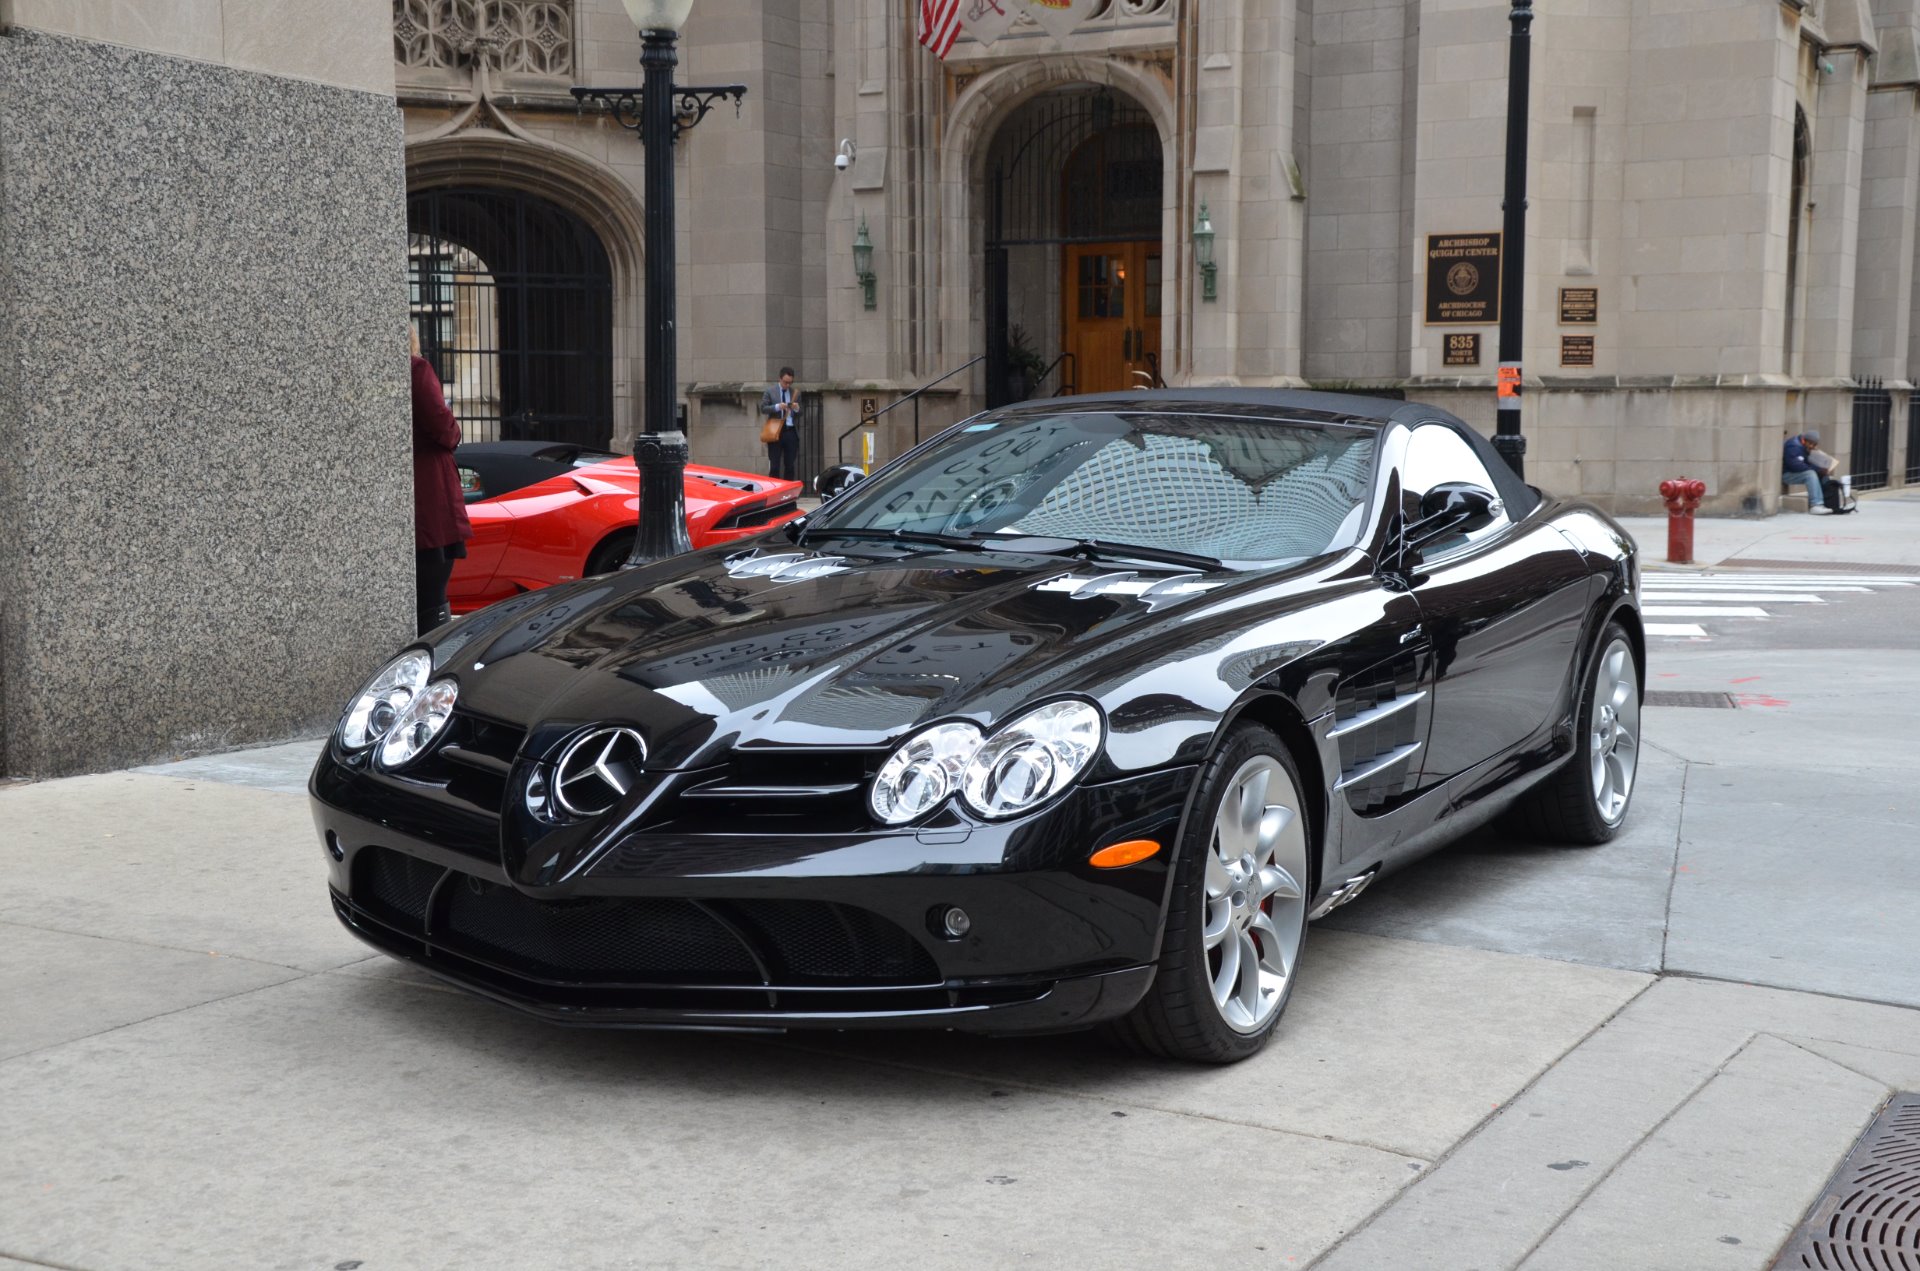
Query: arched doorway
[1074, 260]
[513, 298]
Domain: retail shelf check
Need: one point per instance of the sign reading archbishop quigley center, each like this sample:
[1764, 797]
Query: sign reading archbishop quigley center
[1463, 279]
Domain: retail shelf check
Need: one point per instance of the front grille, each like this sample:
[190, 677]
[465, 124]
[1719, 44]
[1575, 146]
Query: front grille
[648, 940]
[472, 760]
[595, 939]
[803, 790]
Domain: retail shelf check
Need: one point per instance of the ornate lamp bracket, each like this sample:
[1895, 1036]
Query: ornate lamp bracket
[691, 103]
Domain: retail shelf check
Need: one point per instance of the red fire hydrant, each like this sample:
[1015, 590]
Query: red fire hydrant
[1682, 496]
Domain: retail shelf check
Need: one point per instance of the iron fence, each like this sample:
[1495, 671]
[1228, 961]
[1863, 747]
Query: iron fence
[1913, 438]
[1872, 433]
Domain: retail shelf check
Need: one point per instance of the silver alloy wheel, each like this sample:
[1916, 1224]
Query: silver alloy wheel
[1256, 894]
[1613, 741]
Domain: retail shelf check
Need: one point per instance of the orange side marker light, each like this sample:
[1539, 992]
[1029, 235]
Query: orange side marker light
[1128, 853]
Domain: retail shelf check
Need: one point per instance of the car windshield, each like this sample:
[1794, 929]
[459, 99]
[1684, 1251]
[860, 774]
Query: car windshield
[1244, 492]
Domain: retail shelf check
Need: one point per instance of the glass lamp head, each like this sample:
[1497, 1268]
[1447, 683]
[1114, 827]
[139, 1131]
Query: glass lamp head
[659, 15]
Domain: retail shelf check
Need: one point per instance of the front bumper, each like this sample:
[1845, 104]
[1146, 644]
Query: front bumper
[769, 928]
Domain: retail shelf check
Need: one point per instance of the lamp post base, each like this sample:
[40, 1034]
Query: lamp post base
[1513, 448]
[661, 458]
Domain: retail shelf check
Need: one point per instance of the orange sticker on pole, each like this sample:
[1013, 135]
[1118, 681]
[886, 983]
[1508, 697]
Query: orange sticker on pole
[1509, 379]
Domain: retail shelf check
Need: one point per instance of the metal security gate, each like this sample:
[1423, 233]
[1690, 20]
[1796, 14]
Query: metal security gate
[1913, 438]
[1872, 434]
[513, 299]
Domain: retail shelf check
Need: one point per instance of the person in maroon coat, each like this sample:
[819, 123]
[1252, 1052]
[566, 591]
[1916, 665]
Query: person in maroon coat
[440, 525]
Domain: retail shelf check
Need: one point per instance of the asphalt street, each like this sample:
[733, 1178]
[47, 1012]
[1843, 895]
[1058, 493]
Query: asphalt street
[1650, 1054]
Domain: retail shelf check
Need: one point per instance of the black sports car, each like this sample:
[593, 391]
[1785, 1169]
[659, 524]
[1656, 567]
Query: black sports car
[1076, 713]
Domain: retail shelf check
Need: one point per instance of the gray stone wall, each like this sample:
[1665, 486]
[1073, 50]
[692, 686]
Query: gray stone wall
[205, 489]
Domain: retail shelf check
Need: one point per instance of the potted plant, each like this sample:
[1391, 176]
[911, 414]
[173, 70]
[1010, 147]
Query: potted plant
[1024, 366]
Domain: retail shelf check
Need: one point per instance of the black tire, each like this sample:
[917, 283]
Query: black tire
[1565, 807]
[1179, 1018]
[610, 555]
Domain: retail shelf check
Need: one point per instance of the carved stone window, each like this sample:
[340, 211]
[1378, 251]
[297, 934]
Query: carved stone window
[515, 37]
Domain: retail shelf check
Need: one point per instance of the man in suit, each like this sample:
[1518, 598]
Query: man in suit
[781, 403]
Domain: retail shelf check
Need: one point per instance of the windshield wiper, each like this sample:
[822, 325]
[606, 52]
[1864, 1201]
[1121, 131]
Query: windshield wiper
[1106, 549]
[963, 542]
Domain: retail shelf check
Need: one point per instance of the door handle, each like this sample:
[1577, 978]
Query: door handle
[1126, 344]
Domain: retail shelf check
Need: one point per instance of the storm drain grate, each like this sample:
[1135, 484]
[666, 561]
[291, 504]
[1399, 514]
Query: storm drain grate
[1868, 1219]
[1706, 701]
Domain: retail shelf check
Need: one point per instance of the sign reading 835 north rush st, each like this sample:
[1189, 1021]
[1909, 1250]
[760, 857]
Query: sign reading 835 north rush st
[1463, 279]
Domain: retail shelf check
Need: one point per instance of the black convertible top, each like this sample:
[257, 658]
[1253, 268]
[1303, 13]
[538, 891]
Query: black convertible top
[1300, 405]
[506, 466]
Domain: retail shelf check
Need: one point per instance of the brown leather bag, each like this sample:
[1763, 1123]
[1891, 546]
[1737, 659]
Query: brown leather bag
[770, 430]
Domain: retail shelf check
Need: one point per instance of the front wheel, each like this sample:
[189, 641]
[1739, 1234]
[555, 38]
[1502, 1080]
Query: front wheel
[1237, 918]
[1586, 802]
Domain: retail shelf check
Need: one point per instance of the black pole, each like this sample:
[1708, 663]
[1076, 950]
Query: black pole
[660, 449]
[1513, 242]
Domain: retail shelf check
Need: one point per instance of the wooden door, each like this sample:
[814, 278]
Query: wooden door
[1110, 299]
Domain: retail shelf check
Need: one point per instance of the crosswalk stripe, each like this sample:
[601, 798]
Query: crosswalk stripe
[1702, 611]
[1675, 629]
[1721, 597]
[1729, 584]
[1873, 580]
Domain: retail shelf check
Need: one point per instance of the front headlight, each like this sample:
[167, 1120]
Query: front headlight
[1032, 759]
[419, 724]
[384, 700]
[1021, 766]
[923, 772]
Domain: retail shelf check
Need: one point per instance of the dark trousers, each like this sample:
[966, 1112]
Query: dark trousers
[432, 567]
[783, 456]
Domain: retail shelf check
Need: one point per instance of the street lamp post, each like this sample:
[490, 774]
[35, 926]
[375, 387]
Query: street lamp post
[657, 112]
[1513, 241]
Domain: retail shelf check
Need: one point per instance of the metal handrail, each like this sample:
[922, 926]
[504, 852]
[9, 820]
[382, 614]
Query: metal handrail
[840, 444]
[1067, 386]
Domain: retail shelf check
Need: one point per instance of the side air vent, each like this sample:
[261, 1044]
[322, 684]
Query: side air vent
[1380, 732]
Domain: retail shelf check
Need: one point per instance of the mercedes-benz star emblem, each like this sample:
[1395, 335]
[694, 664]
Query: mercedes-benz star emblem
[595, 771]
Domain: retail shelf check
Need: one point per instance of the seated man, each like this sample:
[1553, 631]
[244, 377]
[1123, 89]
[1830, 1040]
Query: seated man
[1796, 470]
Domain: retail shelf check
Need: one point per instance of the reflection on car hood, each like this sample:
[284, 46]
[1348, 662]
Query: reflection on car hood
[779, 645]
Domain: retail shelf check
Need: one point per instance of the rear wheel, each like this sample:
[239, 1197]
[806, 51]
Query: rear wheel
[1586, 801]
[610, 555]
[1237, 917]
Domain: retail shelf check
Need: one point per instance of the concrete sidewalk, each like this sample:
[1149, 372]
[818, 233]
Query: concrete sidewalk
[1884, 531]
[1647, 1055]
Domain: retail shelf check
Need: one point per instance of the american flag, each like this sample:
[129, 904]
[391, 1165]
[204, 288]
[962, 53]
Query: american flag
[939, 25]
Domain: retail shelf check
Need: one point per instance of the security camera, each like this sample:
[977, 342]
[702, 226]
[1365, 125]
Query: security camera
[844, 159]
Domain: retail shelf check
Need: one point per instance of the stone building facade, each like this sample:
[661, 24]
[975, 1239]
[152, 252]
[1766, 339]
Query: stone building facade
[1720, 239]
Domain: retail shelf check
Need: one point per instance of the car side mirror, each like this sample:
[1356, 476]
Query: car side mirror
[837, 480]
[1453, 507]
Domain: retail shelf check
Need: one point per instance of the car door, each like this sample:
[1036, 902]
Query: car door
[1502, 607]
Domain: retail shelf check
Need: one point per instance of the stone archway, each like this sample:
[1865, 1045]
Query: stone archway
[483, 157]
[976, 117]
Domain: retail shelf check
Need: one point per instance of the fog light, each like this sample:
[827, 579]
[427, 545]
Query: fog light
[955, 922]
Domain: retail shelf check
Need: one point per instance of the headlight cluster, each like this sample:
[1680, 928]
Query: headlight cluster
[1019, 767]
[399, 712]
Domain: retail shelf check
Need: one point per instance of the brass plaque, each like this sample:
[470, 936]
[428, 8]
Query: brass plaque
[1579, 306]
[1463, 348]
[1576, 350]
[1463, 279]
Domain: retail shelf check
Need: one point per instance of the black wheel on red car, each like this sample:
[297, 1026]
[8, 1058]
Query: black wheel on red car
[1585, 803]
[610, 555]
[1237, 918]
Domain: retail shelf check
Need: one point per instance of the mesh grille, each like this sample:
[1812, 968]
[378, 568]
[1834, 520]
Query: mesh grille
[394, 886]
[595, 939]
[819, 940]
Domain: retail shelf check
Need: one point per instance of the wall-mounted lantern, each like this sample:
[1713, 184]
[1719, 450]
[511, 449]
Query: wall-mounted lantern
[1203, 252]
[863, 260]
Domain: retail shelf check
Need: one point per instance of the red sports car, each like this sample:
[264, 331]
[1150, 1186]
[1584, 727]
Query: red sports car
[549, 512]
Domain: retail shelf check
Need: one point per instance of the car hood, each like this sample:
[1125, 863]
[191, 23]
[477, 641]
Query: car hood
[778, 645]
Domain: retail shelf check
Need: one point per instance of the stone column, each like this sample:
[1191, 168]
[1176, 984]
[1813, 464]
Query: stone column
[206, 492]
